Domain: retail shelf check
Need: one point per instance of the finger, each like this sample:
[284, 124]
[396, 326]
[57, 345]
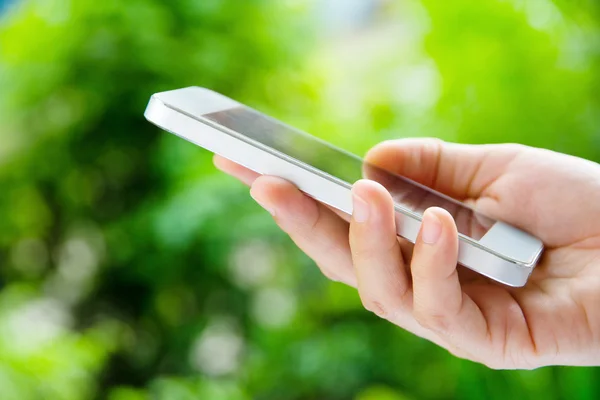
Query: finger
[383, 284]
[439, 303]
[245, 175]
[317, 230]
[458, 170]
[248, 176]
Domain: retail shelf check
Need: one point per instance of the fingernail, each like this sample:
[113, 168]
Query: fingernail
[263, 205]
[431, 228]
[360, 209]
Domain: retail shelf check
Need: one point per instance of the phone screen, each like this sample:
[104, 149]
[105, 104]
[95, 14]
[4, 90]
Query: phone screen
[347, 167]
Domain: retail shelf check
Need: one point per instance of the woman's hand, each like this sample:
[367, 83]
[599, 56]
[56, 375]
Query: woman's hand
[554, 319]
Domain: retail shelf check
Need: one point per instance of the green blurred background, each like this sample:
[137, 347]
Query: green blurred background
[130, 269]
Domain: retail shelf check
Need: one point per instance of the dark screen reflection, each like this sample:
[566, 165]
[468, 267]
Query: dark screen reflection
[345, 166]
[418, 198]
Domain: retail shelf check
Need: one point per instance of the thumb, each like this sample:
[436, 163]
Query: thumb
[457, 170]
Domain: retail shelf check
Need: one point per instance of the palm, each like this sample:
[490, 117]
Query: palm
[551, 320]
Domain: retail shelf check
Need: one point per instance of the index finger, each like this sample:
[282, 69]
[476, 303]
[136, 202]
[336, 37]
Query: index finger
[245, 175]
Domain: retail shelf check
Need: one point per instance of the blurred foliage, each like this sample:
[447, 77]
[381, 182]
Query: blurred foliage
[130, 269]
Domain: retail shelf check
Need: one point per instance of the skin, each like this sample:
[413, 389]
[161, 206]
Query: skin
[553, 320]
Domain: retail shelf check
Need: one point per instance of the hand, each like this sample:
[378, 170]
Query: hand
[553, 320]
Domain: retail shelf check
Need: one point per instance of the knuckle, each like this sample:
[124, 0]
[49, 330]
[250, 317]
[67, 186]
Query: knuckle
[376, 307]
[438, 323]
[332, 276]
[509, 361]
[435, 142]
[384, 145]
[304, 222]
[512, 359]
[460, 352]
[373, 248]
[516, 147]
[519, 359]
[494, 364]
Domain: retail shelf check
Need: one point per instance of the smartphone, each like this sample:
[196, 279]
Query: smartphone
[265, 145]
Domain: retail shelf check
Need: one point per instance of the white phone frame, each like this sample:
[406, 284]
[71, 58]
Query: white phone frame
[504, 254]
